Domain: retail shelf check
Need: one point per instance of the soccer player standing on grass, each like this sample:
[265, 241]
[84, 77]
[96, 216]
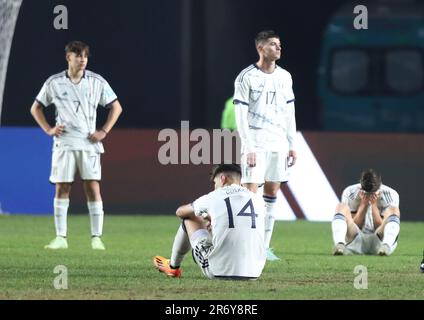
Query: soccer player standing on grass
[234, 247]
[367, 221]
[265, 116]
[76, 93]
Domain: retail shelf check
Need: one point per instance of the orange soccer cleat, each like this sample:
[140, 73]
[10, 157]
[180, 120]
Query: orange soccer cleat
[162, 264]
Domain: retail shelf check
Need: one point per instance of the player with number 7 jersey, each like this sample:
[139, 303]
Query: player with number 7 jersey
[232, 245]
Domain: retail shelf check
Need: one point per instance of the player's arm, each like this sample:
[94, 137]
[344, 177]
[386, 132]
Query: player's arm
[38, 114]
[376, 215]
[359, 217]
[243, 130]
[185, 211]
[241, 108]
[114, 113]
[291, 134]
[291, 127]
[241, 112]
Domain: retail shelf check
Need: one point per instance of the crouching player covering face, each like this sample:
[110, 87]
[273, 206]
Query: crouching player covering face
[367, 221]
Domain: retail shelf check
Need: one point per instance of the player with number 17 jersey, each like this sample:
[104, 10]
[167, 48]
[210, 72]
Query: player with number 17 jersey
[237, 221]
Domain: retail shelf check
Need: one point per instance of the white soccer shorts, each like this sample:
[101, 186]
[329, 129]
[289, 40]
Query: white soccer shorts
[270, 167]
[65, 163]
[367, 243]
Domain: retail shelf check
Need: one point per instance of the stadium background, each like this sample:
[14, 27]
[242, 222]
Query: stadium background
[170, 61]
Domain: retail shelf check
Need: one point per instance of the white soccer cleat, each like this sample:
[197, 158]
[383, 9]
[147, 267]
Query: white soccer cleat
[97, 244]
[339, 249]
[384, 250]
[270, 255]
[57, 243]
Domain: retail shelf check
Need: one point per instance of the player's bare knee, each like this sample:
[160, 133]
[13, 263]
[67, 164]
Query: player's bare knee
[92, 190]
[251, 187]
[192, 224]
[392, 211]
[271, 189]
[63, 190]
[343, 209]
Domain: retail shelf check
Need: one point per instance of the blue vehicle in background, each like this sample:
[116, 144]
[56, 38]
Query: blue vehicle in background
[373, 79]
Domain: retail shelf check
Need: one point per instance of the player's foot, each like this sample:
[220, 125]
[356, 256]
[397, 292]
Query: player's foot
[270, 255]
[384, 250]
[339, 249]
[422, 266]
[162, 264]
[97, 244]
[57, 243]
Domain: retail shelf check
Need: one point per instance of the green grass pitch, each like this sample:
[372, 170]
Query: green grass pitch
[124, 271]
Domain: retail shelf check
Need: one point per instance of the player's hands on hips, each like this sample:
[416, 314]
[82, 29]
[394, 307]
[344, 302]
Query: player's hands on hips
[251, 159]
[291, 158]
[97, 136]
[56, 131]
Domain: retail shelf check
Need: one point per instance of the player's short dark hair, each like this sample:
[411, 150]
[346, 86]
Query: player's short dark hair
[370, 180]
[233, 170]
[77, 47]
[265, 35]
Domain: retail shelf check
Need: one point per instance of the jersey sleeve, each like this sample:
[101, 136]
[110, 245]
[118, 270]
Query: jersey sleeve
[201, 205]
[241, 90]
[288, 89]
[345, 196]
[291, 126]
[44, 97]
[107, 96]
[391, 197]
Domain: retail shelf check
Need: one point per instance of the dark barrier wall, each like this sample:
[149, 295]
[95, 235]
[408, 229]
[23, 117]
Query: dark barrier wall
[158, 56]
[135, 182]
[398, 157]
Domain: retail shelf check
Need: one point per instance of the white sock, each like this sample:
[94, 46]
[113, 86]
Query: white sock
[391, 230]
[180, 247]
[95, 209]
[60, 216]
[339, 227]
[269, 218]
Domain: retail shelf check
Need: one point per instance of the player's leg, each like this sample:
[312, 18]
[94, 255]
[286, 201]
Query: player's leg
[251, 186]
[343, 228]
[270, 198]
[189, 234]
[276, 171]
[96, 213]
[388, 231]
[90, 170]
[62, 174]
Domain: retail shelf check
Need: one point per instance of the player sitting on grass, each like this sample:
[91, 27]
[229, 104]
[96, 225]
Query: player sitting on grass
[368, 219]
[224, 229]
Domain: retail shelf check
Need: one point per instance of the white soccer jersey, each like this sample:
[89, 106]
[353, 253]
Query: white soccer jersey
[271, 112]
[76, 107]
[237, 220]
[388, 197]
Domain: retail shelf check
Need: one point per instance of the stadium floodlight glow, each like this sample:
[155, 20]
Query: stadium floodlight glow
[310, 186]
